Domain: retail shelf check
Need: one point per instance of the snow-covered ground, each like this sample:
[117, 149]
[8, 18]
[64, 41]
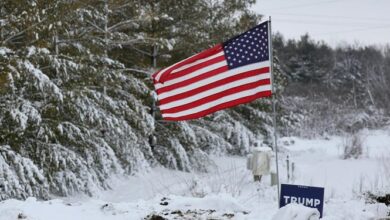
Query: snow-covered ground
[228, 192]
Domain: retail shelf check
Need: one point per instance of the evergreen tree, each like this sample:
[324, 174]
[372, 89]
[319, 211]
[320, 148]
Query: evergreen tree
[75, 91]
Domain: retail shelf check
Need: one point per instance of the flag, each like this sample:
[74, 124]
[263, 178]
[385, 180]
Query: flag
[231, 73]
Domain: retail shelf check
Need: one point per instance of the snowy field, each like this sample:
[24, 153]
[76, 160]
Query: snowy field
[228, 192]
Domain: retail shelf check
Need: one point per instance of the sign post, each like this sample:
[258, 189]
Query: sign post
[309, 196]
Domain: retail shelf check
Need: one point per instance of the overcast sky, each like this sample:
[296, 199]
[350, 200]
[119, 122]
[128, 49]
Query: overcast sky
[334, 21]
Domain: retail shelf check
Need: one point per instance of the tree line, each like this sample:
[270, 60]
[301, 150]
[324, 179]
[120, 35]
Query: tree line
[346, 87]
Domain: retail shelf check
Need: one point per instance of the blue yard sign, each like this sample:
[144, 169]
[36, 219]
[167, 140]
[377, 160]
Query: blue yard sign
[306, 195]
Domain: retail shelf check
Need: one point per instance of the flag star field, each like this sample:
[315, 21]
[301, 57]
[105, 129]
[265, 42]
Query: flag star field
[250, 47]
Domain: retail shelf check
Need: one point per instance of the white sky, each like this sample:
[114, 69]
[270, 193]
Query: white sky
[334, 21]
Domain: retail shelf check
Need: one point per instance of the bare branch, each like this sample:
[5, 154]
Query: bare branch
[136, 70]
[116, 26]
[22, 32]
[141, 51]
[95, 26]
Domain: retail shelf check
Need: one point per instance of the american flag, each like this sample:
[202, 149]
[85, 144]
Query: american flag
[232, 73]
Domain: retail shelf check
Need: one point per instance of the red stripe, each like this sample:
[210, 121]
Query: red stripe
[216, 96]
[195, 67]
[221, 106]
[192, 80]
[209, 52]
[155, 74]
[214, 85]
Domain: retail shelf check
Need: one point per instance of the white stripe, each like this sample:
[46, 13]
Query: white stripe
[191, 75]
[197, 62]
[215, 78]
[215, 91]
[219, 101]
[158, 76]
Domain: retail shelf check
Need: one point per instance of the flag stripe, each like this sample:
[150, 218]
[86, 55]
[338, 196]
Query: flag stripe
[209, 95]
[220, 54]
[158, 75]
[215, 97]
[194, 74]
[217, 107]
[227, 76]
[218, 86]
[164, 73]
[204, 78]
[200, 66]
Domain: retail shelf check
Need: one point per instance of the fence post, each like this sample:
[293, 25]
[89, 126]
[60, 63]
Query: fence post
[288, 168]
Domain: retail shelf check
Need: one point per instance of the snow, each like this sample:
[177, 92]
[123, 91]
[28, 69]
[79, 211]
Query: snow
[340, 177]
[19, 117]
[296, 212]
[4, 50]
[228, 191]
[25, 113]
[42, 81]
[25, 175]
[262, 149]
[34, 50]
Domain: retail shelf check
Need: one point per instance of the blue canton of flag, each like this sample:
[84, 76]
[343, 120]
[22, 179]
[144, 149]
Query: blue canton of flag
[249, 47]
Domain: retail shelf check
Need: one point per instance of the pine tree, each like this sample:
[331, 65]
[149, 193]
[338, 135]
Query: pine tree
[75, 91]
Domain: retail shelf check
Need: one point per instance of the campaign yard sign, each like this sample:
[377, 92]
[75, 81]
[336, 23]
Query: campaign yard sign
[306, 195]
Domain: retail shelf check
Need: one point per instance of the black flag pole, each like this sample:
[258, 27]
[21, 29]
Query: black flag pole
[273, 106]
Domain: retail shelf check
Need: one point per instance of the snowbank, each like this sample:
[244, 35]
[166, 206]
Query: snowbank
[296, 212]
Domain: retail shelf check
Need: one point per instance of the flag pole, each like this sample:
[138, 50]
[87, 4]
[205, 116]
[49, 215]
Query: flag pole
[273, 107]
